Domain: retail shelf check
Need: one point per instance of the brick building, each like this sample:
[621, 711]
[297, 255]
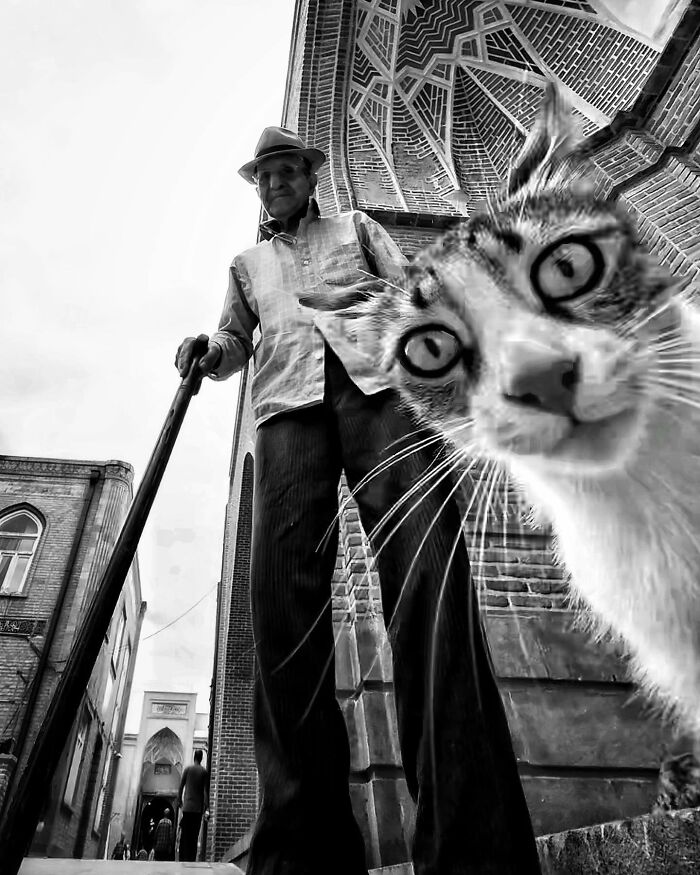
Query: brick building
[420, 106]
[59, 520]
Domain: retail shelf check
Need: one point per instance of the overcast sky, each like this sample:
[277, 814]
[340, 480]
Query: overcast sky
[122, 125]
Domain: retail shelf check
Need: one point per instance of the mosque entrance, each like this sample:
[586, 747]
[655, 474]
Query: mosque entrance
[151, 809]
[161, 771]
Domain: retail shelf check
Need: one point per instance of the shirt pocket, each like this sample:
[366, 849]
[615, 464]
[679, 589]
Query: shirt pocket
[343, 265]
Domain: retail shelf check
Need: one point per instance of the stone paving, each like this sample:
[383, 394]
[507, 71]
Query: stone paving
[647, 845]
[36, 866]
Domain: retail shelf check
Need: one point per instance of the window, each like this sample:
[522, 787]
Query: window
[116, 652]
[120, 691]
[109, 686]
[99, 808]
[19, 536]
[76, 763]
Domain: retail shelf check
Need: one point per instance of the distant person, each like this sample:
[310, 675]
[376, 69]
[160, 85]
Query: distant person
[142, 855]
[163, 845]
[193, 800]
[119, 849]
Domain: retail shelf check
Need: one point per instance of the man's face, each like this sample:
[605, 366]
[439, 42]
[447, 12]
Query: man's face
[284, 185]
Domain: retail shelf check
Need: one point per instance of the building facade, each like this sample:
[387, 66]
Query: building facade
[152, 762]
[420, 107]
[59, 520]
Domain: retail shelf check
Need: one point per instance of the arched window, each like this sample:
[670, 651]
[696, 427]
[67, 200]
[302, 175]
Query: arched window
[19, 535]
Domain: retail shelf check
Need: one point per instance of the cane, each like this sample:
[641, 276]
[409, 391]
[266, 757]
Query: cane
[22, 813]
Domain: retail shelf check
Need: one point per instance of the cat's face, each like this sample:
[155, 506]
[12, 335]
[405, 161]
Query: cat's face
[527, 324]
[532, 331]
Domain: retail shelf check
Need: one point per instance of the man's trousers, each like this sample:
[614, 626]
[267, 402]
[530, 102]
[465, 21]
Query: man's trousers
[189, 834]
[471, 816]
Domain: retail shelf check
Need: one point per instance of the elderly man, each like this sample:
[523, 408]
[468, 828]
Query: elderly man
[320, 408]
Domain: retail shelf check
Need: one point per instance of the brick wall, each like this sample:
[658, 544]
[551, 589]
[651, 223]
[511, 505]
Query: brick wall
[80, 504]
[233, 777]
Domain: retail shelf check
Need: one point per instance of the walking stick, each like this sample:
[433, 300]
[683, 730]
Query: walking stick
[22, 813]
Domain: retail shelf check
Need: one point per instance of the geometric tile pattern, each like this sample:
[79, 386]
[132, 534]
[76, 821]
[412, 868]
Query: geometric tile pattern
[443, 91]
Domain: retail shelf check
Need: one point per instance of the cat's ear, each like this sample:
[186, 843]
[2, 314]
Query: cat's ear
[368, 299]
[554, 137]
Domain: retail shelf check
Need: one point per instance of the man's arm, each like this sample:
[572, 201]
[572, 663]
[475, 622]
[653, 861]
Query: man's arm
[183, 781]
[236, 326]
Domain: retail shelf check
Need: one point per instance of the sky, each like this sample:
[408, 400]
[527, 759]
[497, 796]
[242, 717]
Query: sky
[122, 126]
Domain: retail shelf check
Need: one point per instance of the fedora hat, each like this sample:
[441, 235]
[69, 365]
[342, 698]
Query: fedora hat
[280, 141]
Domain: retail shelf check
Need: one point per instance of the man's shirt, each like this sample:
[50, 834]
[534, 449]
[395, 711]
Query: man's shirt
[265, 284]
[193, 789]
[163, 842]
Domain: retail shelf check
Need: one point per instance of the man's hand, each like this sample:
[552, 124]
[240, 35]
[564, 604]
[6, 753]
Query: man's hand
[185, 353]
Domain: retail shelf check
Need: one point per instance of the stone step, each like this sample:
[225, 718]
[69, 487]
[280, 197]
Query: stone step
[54, 866]
[667, 844]
[648, 845]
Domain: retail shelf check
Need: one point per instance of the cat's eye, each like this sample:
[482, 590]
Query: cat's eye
[567, 269]
[430, 350]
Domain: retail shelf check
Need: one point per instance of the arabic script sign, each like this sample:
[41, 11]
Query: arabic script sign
[169, 709]
[21, 626]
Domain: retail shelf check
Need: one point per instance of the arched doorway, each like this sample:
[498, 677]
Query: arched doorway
[161, 770]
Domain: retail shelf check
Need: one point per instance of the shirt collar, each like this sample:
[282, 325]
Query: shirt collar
[273, 227]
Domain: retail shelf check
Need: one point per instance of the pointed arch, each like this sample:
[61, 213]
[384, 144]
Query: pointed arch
[21, 528]
[164, 746]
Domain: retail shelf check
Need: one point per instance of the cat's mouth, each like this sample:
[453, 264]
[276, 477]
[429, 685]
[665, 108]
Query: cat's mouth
[604, 441]
[596, 445]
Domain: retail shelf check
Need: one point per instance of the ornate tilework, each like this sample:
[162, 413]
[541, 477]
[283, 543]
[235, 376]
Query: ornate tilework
[445, 90]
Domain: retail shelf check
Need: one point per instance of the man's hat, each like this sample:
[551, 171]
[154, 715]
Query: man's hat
[280, 141]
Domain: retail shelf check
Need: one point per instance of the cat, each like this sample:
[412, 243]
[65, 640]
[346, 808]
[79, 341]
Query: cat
[541, 335]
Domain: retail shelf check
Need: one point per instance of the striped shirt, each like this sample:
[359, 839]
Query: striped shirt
[265, 284]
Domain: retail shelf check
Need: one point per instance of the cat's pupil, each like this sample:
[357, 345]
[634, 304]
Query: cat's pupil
[432, 346]
[566, 268]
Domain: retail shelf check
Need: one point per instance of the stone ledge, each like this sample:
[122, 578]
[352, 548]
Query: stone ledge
[666, 844]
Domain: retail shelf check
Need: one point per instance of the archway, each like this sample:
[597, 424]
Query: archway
[161, 770]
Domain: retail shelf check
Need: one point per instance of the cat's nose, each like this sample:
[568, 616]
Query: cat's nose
[542, 378]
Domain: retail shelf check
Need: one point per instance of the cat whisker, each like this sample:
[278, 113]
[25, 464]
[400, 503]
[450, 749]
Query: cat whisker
[298, 647]
[688, 383]
[656, 312]
[421, 482]
[679, 371]
[683, 399]
[434, 644]
[396, 457]
[438, 463]
[425, 537]
[324, 672]
[484, 510]
[444, 467]
[673, 343]
[383, 281]
[506, 493]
